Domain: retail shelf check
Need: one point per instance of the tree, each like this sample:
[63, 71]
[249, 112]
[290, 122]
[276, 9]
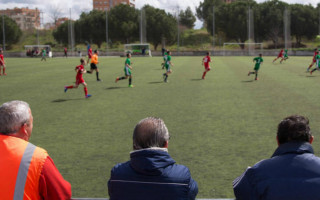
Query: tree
[271, 20]
[123, 23]
[205, 8]
[55, 13]
[12, 31]
[304, 22]
[160, 25]
[60, 34]
[187, 18]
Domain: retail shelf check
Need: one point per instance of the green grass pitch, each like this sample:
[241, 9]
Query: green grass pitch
[218, 126]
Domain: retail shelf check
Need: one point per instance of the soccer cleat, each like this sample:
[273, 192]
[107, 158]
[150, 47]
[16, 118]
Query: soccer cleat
[310, 72]
[117, 79]
[99, 80]
[131, 86]
[65, 88]
[256, 79]
[88, 95]
[249, 73]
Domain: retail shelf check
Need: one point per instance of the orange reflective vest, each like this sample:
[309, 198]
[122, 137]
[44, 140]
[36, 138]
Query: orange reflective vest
[20, 168]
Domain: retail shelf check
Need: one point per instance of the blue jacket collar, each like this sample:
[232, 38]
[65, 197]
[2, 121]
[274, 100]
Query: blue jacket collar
[293, 148]
[150, 162]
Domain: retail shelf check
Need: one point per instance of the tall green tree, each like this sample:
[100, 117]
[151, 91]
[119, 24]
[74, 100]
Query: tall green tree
[123, 23]
[160, 25]
[12, 31]
[187, 18]
[60, 34]
[304, 22]
[271, 20]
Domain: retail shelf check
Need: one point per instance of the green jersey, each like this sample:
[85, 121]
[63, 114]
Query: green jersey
[286, 53]
[258, 61]
[168, 60]
[318, 60]
[43, 52]
[128, 61]
[127, 70]
[165, 56]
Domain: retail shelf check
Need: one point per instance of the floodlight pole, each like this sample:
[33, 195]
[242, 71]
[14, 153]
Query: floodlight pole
[213, 28]
[178, 31]
[107, 36]
[4, 37]
[71, 33]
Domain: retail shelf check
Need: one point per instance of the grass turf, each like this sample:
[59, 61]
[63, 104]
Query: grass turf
[218, 126]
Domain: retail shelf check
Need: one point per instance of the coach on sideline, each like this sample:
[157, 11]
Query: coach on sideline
[26, 171]
[151, 173]
[293, 171]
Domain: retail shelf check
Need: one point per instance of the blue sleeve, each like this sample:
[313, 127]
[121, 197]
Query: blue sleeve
[193, 189]
[242, 187]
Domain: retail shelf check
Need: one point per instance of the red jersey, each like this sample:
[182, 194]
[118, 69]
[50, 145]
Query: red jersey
[314, 55]
[1, 59]
[90, 53]
[80, 69]
[206, 61]
[281, 53]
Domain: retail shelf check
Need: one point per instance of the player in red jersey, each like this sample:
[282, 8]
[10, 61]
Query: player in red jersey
[89, 54]
[205, 62]
[314, 60]
[2, 63]
[280, 55]
[79, 79]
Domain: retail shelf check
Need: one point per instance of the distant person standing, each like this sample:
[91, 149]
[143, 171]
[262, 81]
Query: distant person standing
[2, 63]
[205, 61]
[43, 55]
[79, 79]
[258, 61]
[315, 53]
[127, 71]
[280, 55]
[66, 52]
[89, 54]
[167, 65]
[93, 65]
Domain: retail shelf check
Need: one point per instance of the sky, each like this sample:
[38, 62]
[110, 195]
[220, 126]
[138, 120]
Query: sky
[79, 6]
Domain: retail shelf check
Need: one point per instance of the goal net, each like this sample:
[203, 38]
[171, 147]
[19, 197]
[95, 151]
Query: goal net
[245, 48]
[138, 49]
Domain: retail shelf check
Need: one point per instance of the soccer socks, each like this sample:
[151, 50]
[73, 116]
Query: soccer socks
[89, 72]
[85, 91]
[69, 87]
[97, 74]
[130, 80]
[166, 78]
[204, 74]
[121, 78]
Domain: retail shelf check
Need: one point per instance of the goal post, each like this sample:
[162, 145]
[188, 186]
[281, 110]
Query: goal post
[250, 48]
[138, 49]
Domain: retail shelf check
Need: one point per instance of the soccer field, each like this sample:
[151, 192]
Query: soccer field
[218, 126]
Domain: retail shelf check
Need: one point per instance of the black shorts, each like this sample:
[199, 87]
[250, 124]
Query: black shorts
[93, 66]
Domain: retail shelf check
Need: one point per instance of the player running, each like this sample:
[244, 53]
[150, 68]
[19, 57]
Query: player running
[167, 65]
[313, 59]
[317, 63]
[165, 55]
[2, 63]
[280, 55]
[43, 54]
[79, 79]
[205, 61]
[93, 65]
[258, 61]
[127, 71]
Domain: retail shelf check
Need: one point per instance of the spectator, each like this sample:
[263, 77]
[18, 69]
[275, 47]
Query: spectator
[293, 171]
[151, 173]
[26, 171]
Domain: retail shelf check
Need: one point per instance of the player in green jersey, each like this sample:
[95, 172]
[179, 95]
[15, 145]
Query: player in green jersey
[167, 65]
[317, 57]
[165, 55]
[286, 54]
[127, 70]
[258, 61]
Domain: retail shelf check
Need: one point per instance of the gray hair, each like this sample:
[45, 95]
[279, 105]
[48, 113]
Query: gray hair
[13, 115]
[150, 132]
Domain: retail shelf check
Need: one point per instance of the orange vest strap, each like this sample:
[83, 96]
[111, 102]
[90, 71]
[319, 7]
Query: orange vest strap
[23, 172]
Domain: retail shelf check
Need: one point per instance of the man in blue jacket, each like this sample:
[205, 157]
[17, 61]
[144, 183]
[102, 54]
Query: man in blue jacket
[151, 173]
[293, 171]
